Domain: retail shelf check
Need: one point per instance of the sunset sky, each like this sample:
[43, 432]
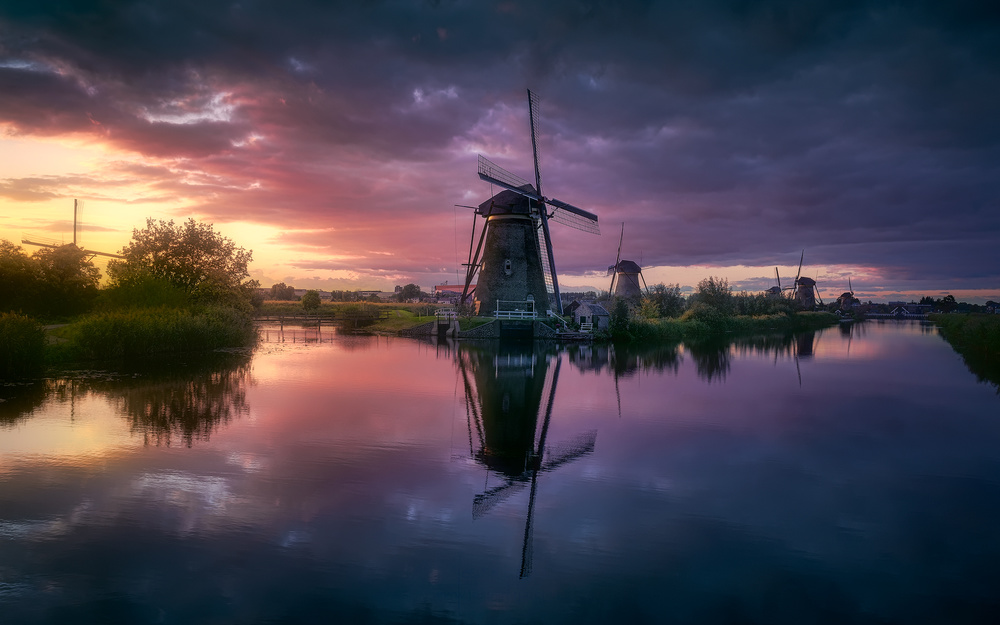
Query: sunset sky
[334, 139]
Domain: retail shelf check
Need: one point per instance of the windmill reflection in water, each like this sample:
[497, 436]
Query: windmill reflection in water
[506, 392]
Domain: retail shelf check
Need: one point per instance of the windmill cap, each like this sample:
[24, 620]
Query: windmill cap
[506, 202]
[626, 266]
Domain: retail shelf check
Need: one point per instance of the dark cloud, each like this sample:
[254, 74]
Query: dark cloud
[720, 132]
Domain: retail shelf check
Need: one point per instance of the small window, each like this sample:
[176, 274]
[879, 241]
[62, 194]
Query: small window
[506, 265]
[583, 319]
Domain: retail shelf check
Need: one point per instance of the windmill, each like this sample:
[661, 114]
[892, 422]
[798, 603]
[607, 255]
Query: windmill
[846, 301]
[626, 275]
[805, 292]
[55, 244]
[505, 394]
[514, 256]
[777, 291]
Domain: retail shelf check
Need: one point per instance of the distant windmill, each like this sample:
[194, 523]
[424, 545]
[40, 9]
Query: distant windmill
[777, 291]
[625, 275]
[806, 292]
[847, 300]
[514, 256]
[53, 243]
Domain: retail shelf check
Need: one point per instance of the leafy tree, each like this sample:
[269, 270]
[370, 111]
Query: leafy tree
[310, 300]
[715, 292]
[191, 256]
[19, 277]
[662, 300]
[620, 321]
[947, 303]
[410, 291]
[282, 291]
[68, 279]
[927, 300]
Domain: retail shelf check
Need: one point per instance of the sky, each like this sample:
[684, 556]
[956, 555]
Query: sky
[334, 139]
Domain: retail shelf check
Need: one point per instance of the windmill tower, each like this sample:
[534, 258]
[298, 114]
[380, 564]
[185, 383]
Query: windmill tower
[625, 275]
[806, 293]
[514, 257]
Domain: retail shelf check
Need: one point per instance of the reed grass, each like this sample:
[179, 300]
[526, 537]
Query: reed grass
[132, 334]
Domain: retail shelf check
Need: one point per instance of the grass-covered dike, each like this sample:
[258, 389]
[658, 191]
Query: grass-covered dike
[977, 339]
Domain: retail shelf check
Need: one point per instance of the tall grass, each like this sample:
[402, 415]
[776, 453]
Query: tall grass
[22, 346]
[701, 321]
[139, 333]
[980, 333]
[977, 339]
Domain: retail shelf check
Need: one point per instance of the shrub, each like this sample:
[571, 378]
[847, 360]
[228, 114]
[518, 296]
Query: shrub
[715, 293]
[310, 300]
[22, 343]
[140, 333]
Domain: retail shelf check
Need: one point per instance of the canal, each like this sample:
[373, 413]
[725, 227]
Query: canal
[847, 475]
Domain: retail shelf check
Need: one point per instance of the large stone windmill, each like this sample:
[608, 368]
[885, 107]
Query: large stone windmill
[514, 259]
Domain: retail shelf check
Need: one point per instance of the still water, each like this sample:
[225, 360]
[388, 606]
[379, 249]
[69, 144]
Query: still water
[849, 475]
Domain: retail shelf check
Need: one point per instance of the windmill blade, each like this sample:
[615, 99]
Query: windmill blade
[799, 272]
[614, 270]
[570, 215]
[527, 547]
[778, 277]
[849, 287]
[533, 120]
[568, 452]
[549, 262]
[486, 501]
[491, 172]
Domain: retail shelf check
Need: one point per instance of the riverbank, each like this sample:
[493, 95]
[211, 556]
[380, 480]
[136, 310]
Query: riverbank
[640, 330]
[977, 339]
[124, 337]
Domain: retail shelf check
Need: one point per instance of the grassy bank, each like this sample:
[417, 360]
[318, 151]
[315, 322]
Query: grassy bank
[707, 324]
[977, 339]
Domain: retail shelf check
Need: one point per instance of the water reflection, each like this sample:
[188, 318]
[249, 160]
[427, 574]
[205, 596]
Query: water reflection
[19, 401]
[188, 403]
[507, 391]
[179, 401]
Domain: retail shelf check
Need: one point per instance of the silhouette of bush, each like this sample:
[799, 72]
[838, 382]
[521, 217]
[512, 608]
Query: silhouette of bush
[22, 344]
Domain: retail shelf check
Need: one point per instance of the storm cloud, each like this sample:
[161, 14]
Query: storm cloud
[720, 133]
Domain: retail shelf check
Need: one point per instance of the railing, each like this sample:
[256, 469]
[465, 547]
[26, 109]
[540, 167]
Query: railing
[586, 327]
[515, 314]
[446, 314]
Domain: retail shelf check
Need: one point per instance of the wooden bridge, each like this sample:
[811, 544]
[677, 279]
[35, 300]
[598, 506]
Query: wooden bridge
[357, 317]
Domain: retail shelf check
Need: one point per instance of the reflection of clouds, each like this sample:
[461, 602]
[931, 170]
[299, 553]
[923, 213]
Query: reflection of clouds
[249, 462]
[185, 490]
[46, 528]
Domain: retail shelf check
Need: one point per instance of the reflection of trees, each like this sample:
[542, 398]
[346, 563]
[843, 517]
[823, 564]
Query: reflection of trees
[624, 360]
[189, 402]
[711, 359]
[18, 401]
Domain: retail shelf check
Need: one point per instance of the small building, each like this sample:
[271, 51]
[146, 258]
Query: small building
[592, 313]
